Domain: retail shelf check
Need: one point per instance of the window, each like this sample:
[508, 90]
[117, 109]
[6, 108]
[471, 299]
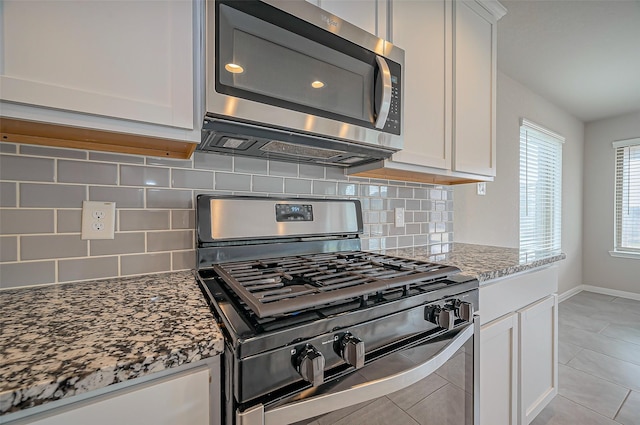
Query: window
[627, 201]
[540, 188]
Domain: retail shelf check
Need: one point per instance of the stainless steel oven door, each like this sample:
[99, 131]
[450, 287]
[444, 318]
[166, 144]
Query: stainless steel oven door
[436, 382]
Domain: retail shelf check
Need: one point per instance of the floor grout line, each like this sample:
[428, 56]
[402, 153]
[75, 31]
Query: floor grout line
[620, 408]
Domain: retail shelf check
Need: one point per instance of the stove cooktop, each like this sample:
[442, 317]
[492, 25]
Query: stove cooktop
[285, 286]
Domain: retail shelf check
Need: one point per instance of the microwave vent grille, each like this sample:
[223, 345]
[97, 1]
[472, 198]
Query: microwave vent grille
[275, 146]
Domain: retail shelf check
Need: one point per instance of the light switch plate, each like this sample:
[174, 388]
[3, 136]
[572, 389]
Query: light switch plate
[98, 220]
[399, 217]
[482, 188]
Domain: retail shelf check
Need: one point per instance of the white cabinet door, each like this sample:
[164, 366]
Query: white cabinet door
[475, 50]
[419, 27]
[499, 371]
[178, 401]
[361, 13]
[131, 61]
[538, 357]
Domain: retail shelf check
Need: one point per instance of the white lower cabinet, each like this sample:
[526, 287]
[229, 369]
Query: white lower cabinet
[518, 347]
[499, 371]
[538, 356]
[173, 400]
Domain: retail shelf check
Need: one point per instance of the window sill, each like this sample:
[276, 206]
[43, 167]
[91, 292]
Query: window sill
[625, 254]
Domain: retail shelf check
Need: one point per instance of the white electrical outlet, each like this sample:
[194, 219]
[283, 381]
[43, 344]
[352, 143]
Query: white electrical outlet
[98, 220]
[399, 217]
[482, 188]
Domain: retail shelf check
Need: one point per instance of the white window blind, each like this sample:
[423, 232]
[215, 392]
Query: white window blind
[627, 201]
[540, 188]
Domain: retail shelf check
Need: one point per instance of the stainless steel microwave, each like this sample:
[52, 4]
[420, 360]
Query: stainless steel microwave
[287, 80]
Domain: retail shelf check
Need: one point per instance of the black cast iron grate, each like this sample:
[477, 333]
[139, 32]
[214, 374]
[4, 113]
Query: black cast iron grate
[282, 285]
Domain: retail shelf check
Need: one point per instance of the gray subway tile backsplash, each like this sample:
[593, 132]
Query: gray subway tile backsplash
[27, 273]
[283, 169]
[413, 204]
[155, 209]
[311, 171]
[191, 179]
[181, 260]
[231, 181]
[214, 162]
[405, 192]
[52, 152]
[144, 220]
[122, 243]
[335, 173]
[40, 247]
[87, 172]
[25, 168]
[8, 148]
[124, 197]
[8, 192]
[145, 263]
[268, 184]
[115, 157]
[348, 189]
[297, 186]
[8, 248]
[52, 195]
[169, 241]
[325, 187]
[249, 165]
[132, 175]
[69, 221]
[25, 221]
[183, 219]
[89, 268]
[169, 198]
[166, 162]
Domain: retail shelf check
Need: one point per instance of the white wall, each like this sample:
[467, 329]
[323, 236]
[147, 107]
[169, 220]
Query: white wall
[494, 219]
[600, 269]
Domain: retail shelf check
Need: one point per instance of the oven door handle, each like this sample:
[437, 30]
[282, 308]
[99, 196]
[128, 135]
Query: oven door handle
[318, 405]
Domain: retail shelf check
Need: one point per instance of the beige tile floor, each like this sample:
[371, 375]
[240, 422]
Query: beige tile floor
[599, 355]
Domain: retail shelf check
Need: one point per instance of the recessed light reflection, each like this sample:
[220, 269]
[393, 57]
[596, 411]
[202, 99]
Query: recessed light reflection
[234, 68]
[317, 84]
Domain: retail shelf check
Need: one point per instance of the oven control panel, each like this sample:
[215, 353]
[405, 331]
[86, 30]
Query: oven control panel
[294, 212]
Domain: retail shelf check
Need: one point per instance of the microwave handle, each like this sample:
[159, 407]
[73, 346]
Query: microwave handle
[383, 99]
[314, 406]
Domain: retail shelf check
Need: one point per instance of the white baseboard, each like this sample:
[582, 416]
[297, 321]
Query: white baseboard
[570, 293]
[599, 290]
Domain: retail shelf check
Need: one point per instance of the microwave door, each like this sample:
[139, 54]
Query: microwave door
[271, 64]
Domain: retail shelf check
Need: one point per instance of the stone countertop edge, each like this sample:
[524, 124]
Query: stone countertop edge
[62, 340]
[483, 262]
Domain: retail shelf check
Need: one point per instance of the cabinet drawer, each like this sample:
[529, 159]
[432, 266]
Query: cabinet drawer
[503, 296]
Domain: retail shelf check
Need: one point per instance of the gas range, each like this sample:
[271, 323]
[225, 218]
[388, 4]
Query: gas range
[302, 307]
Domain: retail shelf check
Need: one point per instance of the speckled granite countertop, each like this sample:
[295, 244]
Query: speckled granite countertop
[482, 261]
[61, 340]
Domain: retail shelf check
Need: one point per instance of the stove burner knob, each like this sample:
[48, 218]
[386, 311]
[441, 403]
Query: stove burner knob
[352, 350]
[446, 318]
[310, 365]
[464, 311]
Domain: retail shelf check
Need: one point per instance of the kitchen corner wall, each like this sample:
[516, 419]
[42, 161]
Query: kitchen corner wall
[42, 189]
[494, 219]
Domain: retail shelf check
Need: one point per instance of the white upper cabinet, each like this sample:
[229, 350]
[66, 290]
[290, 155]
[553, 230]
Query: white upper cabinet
[449, 91]
[419, 27]
[102, 59]
[474, 142]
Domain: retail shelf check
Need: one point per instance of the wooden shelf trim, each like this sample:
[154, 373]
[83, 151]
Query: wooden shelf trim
[38, 133]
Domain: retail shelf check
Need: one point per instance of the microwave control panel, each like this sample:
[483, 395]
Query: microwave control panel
[393, 124]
